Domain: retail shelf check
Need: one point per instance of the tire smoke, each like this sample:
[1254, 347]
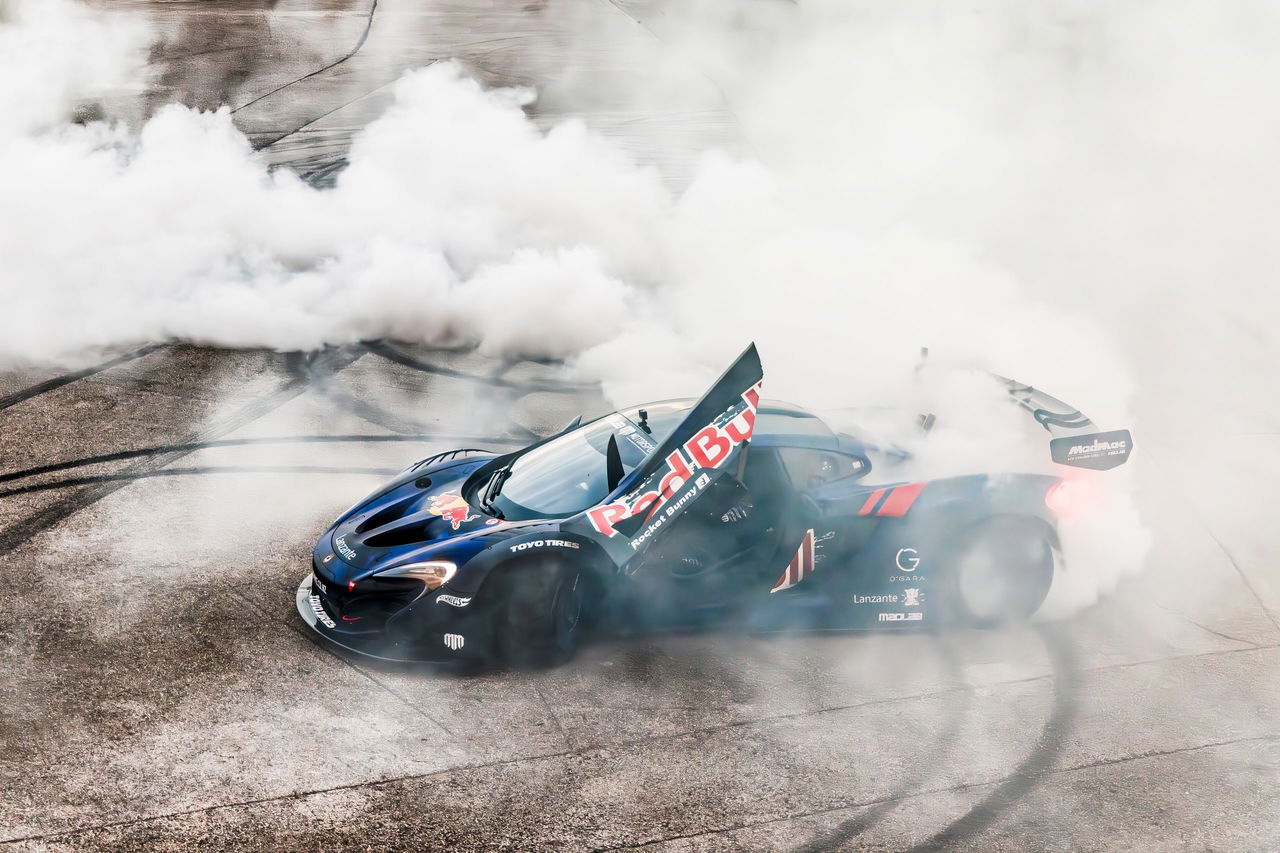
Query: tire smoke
[1018, 190]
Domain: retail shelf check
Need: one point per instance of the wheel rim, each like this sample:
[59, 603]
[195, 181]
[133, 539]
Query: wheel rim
[1000, 575]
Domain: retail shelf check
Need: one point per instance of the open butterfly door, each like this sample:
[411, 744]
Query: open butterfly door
[703, 447]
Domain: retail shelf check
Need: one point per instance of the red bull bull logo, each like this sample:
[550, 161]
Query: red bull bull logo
[452, 508]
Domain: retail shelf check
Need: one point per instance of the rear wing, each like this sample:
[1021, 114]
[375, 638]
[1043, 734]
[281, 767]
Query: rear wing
[1075, 439]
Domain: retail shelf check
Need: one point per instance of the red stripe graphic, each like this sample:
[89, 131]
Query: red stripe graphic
[901, 499]
[872, 500]
[801, 565]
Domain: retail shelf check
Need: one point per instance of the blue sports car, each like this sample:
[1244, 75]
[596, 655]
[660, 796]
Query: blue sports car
[687, 513]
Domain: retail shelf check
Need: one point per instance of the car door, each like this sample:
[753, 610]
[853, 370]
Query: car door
[818, 534]
[694, 467]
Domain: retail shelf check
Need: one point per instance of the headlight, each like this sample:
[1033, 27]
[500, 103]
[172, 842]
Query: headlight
[433, 573]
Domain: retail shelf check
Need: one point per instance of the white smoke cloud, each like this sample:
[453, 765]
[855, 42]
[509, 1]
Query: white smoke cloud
[181, 232]
[1018, 189]
[56, 54]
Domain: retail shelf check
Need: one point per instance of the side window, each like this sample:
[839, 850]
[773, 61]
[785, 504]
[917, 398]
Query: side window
[811, 468]
[764, 477]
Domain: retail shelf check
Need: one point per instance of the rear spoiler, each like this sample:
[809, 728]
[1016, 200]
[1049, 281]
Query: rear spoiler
[1075, 441]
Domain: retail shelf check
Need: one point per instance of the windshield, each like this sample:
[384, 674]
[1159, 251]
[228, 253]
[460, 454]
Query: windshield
[569, 474]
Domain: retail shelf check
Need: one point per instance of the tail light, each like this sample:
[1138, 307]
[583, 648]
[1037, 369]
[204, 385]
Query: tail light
[1071, 498]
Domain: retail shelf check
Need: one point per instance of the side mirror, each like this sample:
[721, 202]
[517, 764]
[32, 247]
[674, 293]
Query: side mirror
[614, 471]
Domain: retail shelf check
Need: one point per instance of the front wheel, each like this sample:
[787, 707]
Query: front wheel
[1001, 571]
[543, 614]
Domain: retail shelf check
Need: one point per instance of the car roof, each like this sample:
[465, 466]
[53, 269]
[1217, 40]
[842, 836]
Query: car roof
[778, 424]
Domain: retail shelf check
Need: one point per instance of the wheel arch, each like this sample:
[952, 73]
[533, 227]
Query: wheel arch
[1032, 587]
[587, 557]
[948, 507]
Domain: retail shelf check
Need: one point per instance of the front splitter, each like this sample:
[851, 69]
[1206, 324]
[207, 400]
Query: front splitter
[310, 609]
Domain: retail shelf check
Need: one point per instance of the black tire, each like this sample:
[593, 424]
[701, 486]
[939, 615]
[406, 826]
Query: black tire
[543, 619]
[1000, 571]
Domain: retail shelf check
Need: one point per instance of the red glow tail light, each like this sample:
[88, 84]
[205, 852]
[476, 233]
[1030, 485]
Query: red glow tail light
[1071, 498]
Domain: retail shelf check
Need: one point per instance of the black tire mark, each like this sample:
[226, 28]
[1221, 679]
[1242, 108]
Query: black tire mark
[363, 409]
[368, 412]
[1036, 764]
[67, 378]
[244, 442]
[364, 36]
[943, 741]
[381, 349]
[129, 477]
[320, 176]
[331, 361]
[379, 416]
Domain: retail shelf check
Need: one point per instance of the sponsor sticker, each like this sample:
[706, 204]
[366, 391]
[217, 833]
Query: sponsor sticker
[907, 560]
[456, 601]
[1098, 448]
[318, 609]
[800, 567]
[911, 597]
[452, 507]
[347, 552]
[875, 599]
[454, 641]
[1100, 451]
[917, 616]
[545, 543]
[646, 446]
[315, 579]
[818, 545]
[671, 510]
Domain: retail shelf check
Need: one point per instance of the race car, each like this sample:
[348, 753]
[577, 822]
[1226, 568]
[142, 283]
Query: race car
[688, 513]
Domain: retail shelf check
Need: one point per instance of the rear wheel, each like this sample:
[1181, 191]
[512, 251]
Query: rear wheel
[543, 612]
[1001, 571]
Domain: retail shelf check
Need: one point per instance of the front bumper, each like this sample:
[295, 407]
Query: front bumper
[384, 644]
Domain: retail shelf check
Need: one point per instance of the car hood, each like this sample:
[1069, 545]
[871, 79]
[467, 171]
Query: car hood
[417, 517]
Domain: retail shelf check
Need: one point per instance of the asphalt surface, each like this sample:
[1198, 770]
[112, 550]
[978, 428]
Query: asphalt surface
[158, 509]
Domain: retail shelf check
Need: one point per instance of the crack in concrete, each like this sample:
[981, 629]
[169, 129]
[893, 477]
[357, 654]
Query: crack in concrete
[334, 653]
[695, 733]
[967, 786]
[20, 532]
[1244, 578]
[364, 36]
